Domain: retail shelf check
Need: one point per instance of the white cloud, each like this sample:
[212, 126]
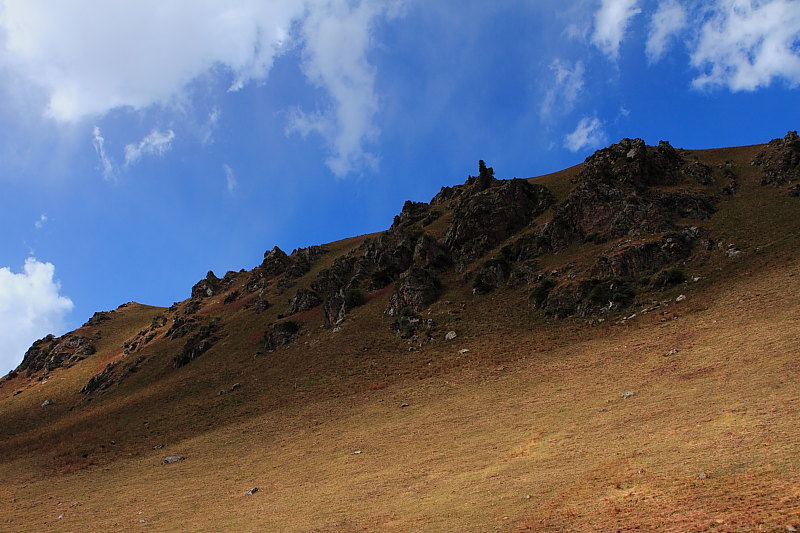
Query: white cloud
[748, 44]
[564, 89]
[94, 56]
[667, 22]
[610, 23]
[207, 130]
[155, 143]
[588, 133]
[99, 143]
[31, 306]
[39, 224]
[230, 179]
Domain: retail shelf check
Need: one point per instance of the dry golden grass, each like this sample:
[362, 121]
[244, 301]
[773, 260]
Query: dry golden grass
[525, 432]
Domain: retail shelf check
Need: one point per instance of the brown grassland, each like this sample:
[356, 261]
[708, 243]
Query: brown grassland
[527, 431]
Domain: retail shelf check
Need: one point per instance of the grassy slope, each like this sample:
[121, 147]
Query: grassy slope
[525, 431]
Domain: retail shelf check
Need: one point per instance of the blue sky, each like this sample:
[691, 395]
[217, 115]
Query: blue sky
[144, 143]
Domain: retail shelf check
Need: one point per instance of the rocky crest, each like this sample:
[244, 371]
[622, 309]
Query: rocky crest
[780, 162]
[53, 352]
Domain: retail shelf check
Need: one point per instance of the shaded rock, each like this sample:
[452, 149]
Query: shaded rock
[206, 287]
[198, 344]
[275, 262]
[231, 297]
[492, 275]
[631, 260]
[144, 336]
[411, 213]
[587, 297]
[170, 459]
[483, 220]
[98, 318]
[699, 172]
[780, 161]
[416, 289]
[280, 334]
[182, 326]
[304, 300]
[50, 353]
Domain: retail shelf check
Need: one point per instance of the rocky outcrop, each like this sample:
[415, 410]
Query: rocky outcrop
[615, 197]
[486, 218]
[198, 344]
[113, 374]
[280, 334]
[626, 260]
[98, 318]
[588, 297]
[53, 352]
[143, 337]
[303, 300]
[207, 287]
[275, 262]
[493, 274]
[416, 289]
[780, 162]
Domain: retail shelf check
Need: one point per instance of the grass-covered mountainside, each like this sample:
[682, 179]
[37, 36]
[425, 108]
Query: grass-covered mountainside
[607, 348]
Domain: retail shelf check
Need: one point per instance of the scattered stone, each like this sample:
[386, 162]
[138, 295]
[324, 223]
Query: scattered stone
[158, 446]
[251, 491]
[671, 352]
[47, 402]
[404, 405]
[357, 452]
[142, 521]
[60, 516]
[462, 351]
[680, 298]
[702, 475]
[172, 459]
[791, 528]
[450, 335]
[627, 394]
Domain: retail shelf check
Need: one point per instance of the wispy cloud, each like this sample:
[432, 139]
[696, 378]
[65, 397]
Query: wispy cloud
[564, 89]
[610, 24]
[31, 306]
[123, 57]
[155, 143]
[209, 127]
[39, 224]
[106, 164]
[747, 45]
[667, 22]
[230, 179]
[588, 133]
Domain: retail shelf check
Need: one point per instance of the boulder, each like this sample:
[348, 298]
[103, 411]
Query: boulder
[280, 334]
[50, 353]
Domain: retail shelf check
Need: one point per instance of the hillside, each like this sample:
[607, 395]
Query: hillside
[611, 347]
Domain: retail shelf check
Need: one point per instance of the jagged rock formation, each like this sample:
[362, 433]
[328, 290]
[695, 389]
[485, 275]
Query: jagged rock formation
[53, 352]
[780, 162]
[199, 343]
[416, 290]
[304, 300]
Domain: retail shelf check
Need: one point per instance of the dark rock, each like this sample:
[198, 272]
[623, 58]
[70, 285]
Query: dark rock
[280, 334]
[588, 297]
[98, 318]
[631, 260]
[198, 344]
[50, 353]
[416, 289]
[411, 213]
[275, 262]
[303, 300]
[699, 172]
[206, 287]
[780, 162]
[486, 218]
[492, 275]
[182, 326]
[251, 491]
[101, 380]
[614, 197]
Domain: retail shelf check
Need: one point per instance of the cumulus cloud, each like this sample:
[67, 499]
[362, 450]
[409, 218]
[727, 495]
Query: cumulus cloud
[588, 133]
[93, 56]
[230, 179]
[745, 45]
[31, 306]
[564, 89]
[155, 143]
[667, 22]
[106, 164]
[610, 23]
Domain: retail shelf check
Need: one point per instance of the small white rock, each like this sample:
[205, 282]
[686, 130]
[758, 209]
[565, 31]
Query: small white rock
[680, 298]
[450, 336]
[463, 351]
